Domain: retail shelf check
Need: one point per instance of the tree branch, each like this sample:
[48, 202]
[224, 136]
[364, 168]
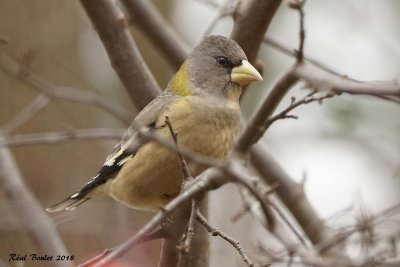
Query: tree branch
[324, 81]
[292, 195]
[62, 136]
[26, 114]
[125, 57]
[216, 232]
[29, 212]
[209, 180]
[251, 21]
[146, 16]
[11, 67]
[253, 130]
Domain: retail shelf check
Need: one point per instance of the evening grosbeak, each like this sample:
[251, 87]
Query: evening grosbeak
[202, 104]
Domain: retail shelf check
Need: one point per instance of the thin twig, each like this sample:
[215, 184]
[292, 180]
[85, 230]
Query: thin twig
[253, 132]
[26, 207]
[61, 136]
[216, 232]
[296, 103]
[239, 214]
[298, 5]
[185, 170]
[190, 232]
[209, 180]
[187, 177]
[287, 50]
[26, 114]
[52, 90]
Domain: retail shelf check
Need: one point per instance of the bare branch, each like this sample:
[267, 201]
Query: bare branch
[62, 136]
[216, 232]
[287, 50]
[187, 177]
[63, 92]
[251, 21]
[143, 14]
[190, 232]
[125, 57]
[38, 225]
[26, 114]
[321, 80]
[298, 5]
[284, 114]
[292, 195]
[253, 131]
[209, 180]
[172, 248]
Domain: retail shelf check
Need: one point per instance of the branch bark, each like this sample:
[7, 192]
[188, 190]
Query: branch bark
[251, 21]
[29, 212]
[62, 136]
[124, 55]
[254, 129]
[290, 192]
[321, 80]
[209, 180]
[146, 16]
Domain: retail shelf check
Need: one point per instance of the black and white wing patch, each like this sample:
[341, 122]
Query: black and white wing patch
[122, 152]
[112, 165]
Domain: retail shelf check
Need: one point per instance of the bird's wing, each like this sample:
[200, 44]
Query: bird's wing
[122, 152]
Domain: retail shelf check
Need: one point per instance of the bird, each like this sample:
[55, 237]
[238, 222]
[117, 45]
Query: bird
[201, 102]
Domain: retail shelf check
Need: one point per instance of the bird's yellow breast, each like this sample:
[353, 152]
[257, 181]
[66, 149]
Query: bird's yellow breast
[153, 176]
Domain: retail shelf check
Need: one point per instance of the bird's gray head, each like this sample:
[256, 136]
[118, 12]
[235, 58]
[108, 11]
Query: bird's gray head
[214, 67]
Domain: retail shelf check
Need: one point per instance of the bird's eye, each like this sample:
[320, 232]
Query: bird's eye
[222, 61]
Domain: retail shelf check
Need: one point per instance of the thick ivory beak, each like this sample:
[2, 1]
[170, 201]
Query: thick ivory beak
[245, 74]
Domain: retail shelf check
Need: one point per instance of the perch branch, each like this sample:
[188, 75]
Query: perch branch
[209, 180]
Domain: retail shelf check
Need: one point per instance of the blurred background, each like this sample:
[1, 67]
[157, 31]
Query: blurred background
[347, 149]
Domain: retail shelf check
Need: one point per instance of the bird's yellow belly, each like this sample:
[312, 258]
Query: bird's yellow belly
[157, 179]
